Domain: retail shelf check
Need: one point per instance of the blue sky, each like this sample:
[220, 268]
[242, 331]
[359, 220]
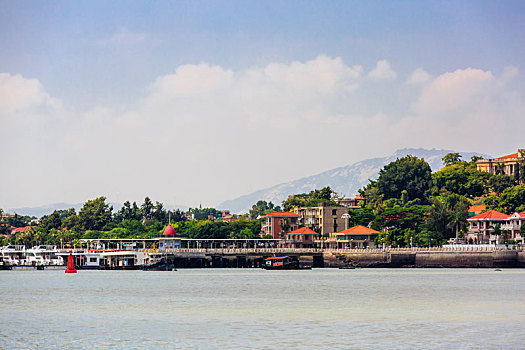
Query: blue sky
[208, 91]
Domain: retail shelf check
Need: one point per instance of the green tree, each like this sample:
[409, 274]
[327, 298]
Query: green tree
[261, 208]
[511, 200]
[95, 214]
[408, 173]
[362, 216]
[458, 206]
[177, 216]
[474, 159]
[461, 178]
[451, 158]
[499, 183]
[146, 209]
[51, 221]
[438, 218]
[312, 199]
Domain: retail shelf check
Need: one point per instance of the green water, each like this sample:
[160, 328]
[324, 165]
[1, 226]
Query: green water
[252, 308]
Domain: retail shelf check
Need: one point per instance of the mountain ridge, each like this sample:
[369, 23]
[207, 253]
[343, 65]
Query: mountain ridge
[345, 180]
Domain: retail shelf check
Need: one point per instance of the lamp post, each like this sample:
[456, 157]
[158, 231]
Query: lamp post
[346, 216]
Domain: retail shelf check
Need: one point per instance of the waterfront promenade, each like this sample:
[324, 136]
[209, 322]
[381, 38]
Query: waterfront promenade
[461, 256]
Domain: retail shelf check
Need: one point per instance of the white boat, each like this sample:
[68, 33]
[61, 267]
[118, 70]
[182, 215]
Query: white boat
[43, 255]
[14, 255]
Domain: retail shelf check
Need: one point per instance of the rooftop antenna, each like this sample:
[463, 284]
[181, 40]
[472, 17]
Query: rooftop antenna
[169, 217]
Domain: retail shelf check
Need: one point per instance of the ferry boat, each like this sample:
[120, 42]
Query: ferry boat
[281, 263]
[14, 255]
[44, 255]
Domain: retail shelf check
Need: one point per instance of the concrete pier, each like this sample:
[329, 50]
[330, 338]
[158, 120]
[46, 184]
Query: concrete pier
[389, 258]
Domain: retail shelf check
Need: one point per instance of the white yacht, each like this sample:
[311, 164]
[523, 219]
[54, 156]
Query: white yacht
[43, 255]
[14, 255]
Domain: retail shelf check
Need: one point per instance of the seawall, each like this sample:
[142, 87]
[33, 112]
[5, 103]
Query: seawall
[429, 259]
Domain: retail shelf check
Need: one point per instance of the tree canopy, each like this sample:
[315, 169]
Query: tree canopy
[408, 173]
[312, 199]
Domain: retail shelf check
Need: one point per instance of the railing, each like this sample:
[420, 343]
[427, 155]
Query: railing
[307, 251]
[284, 251]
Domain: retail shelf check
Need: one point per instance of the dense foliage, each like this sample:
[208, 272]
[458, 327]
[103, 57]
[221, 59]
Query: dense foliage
[312, 199]
[407, 203]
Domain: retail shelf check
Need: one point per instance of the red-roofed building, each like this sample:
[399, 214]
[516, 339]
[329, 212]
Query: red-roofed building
[482, 226]
[352, 203]
[507, 164]
[356, 237]
[476, 209]
[301, 238]
[20, 229]
[229, 218]
[169, 231]
[515, 222]
[278, 224]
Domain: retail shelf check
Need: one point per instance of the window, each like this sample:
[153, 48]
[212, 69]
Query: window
[334, 212]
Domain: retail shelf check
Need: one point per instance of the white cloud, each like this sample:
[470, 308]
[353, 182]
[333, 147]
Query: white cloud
[419, 76]
[455, 92]
[382, 71]
[467, 109]
[18, 94]
[208, 133]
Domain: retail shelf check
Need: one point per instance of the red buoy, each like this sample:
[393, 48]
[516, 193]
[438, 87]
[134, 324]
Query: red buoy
[70, 264]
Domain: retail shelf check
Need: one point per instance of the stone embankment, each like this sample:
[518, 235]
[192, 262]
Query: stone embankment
[426, 258]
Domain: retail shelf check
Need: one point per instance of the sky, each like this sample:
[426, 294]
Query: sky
[197, 102]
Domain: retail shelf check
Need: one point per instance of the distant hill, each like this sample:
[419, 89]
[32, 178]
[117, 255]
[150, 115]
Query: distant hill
[48, 209]
[345, 180]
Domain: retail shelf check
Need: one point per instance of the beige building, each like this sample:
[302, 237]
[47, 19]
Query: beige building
[507, 163]
[322, 219]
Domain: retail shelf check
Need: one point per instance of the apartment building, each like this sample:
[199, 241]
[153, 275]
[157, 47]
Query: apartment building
[322, 219]
[278, 224]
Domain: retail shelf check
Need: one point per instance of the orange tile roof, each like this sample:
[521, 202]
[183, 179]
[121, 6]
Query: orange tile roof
[513, 155]
[359, 229]
[282, 214]
[303, 230]
[522, 214]
[477, 208]
[21, 229]
[491, 214]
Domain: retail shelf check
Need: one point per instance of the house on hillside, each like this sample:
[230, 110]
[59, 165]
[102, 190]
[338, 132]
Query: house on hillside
[481, 230]
[507, 164]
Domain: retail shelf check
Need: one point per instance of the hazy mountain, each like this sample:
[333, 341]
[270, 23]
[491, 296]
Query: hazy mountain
[345, 180]
[48, 209]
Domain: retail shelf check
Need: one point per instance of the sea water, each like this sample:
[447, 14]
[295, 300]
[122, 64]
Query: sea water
[258, 309]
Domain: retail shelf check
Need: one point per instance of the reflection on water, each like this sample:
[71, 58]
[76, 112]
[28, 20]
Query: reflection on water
[251, 308]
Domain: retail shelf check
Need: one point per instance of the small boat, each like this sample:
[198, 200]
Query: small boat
[282, 263]
[161, 265]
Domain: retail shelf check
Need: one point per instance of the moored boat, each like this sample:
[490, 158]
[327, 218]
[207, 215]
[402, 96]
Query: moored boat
[161, 265]
[282, 263]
